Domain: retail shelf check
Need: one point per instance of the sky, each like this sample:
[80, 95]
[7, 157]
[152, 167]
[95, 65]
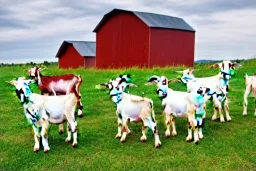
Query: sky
[33, 30]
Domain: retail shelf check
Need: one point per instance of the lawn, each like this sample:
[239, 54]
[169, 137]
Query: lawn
[228, 146]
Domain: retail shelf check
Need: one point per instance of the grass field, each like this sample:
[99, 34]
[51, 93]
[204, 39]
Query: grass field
[228, 146]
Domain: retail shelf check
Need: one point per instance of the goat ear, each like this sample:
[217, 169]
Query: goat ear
[12, 82]
[132, 85]
[216, 65]
[246, 76]
[174, 80]
[101, 85]
[207, 90]
[236, 65]
[41, 69]
[122, 80]
[154, 78]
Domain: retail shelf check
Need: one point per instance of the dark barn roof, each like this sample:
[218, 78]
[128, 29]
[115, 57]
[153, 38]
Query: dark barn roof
[84, 48]
[151, 20]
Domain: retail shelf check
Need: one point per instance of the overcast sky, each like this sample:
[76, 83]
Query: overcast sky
[33, 30]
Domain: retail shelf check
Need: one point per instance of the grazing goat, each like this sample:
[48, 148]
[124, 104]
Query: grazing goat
[218, 85]
[132, 108]
[44, 110]
[250, 82]
[177, 104]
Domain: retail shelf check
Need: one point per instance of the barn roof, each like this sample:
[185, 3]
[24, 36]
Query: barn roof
[151, 20]
[84, 48]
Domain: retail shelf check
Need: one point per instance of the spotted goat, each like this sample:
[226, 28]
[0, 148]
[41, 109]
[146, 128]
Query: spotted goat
[132, 108]
[218, 85]
[41, 111]
[177, 104]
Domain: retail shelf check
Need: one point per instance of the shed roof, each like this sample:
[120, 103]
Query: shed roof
[151, 20]
[84, 48]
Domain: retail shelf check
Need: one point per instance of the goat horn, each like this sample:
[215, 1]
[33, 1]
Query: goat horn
[12, 82]
[132, 85]
[216, 65]
[41, 69]
[154, 78]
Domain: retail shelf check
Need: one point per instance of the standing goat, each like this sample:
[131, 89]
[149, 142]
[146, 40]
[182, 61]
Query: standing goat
[218, 85]
[132, 108]
[58, 85]
[250, 82]
[44, 110]
[177, 104]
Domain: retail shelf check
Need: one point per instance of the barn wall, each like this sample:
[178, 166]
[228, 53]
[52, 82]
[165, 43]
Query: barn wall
[171, 47]
[71, 58]
[89, 62]
[123, 41]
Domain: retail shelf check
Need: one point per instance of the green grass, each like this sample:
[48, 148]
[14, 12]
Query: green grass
[228, 146]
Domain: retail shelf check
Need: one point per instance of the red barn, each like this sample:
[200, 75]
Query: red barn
[74, 54]
[130, 38]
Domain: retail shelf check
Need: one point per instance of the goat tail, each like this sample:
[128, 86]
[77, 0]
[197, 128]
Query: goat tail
[79, 78]
[77, 86]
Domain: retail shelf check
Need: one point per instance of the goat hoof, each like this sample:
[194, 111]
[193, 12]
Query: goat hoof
[143, 139]
[174, 133]
[188, 139]
[36, 150]
[167, 134]
[158, 145]
[197, 142]
[67, 140]
[80, 113]
[46, 150]
[244, 114]
[61, 132]
[80, 116]
[122, 140]
[74, 145]
[118, 136]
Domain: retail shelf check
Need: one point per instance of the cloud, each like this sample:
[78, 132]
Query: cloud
[37, 28]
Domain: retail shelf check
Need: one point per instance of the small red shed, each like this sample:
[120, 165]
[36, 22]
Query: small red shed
[74, 54]
[129, 38]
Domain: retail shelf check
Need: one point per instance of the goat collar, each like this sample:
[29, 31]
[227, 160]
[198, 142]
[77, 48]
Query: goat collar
[222, 72]
[32, 116]
[119, 98]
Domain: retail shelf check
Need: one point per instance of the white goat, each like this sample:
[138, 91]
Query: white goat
[178, 104]
[218, 85]
[44, 110]
[132, 108]
[250, 82]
